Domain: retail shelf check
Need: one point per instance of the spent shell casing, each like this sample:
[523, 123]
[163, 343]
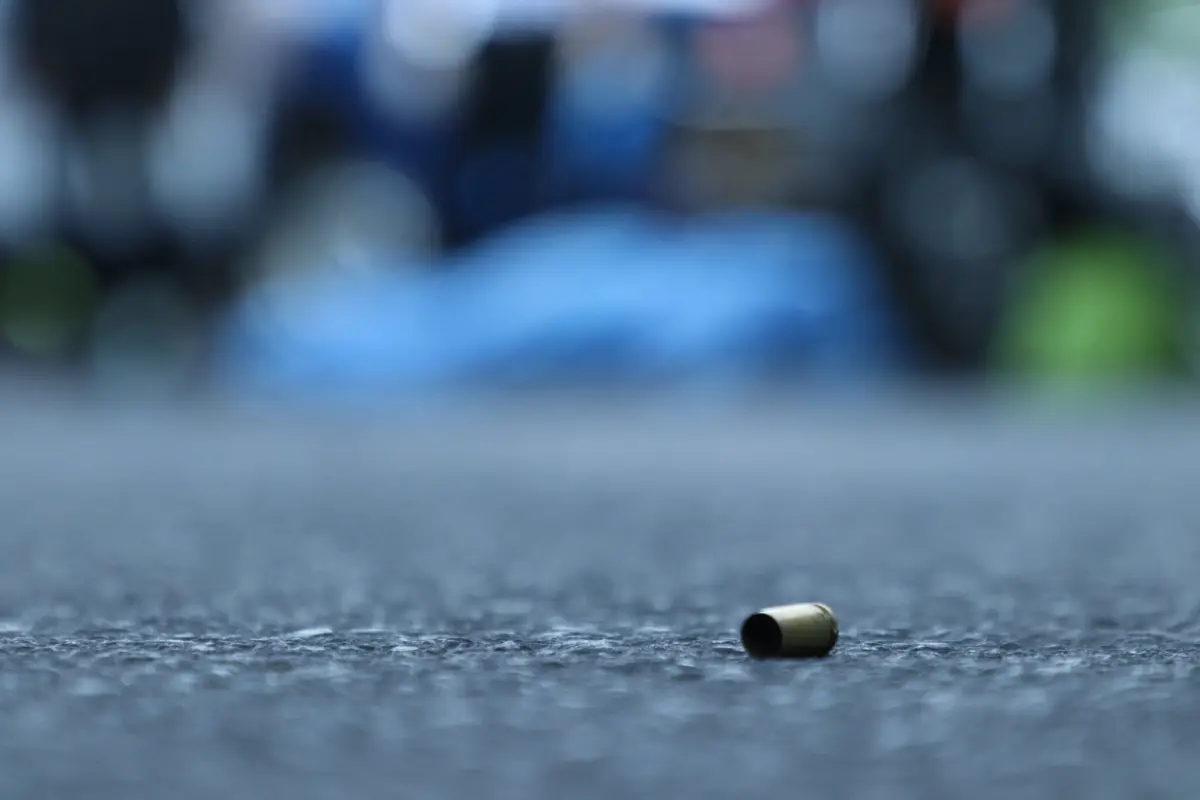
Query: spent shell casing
[804, 630]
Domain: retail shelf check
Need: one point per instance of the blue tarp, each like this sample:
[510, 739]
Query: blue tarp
[602, 296]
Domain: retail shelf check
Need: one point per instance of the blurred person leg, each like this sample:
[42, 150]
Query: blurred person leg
[495, 175]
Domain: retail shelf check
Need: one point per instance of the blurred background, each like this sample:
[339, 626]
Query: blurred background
[355, 197]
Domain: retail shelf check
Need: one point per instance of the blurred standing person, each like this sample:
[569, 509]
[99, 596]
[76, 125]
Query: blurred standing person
[155, 133]
[106, 67]
[981, 162]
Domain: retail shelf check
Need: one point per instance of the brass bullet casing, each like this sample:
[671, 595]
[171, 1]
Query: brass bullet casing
[804, 630]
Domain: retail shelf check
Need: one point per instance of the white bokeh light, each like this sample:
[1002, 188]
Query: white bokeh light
[1142, 124]
[197, 192]
[868, 47]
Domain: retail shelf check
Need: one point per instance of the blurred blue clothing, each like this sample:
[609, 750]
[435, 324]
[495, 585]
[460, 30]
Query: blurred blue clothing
[595, 297]
[329, 76]
[580, 155]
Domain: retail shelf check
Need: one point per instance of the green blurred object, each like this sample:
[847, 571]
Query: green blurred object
[1100, 307]
[47, 297]
[1167, 27]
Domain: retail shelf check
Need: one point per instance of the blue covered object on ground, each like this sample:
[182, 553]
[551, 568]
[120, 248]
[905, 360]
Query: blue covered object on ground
[604, 296]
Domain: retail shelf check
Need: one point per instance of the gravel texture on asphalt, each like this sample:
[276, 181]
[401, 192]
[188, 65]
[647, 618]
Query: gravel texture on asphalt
[535, 601]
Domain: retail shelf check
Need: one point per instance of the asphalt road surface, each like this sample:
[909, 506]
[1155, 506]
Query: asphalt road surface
[541, 601]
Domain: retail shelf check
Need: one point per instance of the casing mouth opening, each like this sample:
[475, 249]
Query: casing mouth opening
[761, 636]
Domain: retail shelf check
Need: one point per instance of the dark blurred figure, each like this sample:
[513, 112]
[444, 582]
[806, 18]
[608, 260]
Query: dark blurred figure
[106, 70]
[95, 55]
[983, 159]
[497, 166]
